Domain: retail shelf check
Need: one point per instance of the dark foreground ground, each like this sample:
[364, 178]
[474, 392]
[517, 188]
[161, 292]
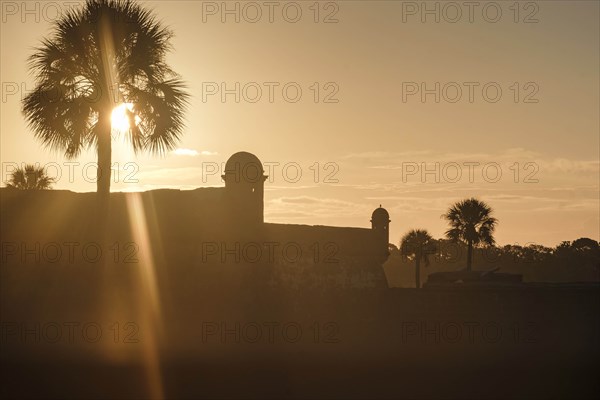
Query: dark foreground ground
[444, 343]
[157, 321]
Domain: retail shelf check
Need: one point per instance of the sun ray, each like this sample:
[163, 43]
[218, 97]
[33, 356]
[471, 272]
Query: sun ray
[147, 292]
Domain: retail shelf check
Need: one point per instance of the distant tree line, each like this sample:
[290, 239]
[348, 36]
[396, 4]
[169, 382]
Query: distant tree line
[469, 244]
[576, 261]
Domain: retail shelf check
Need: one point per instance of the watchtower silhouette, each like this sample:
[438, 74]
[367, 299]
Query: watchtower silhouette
[380, 223]
[244, 189]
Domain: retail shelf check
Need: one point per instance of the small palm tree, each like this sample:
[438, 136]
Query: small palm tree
[417, 244]
[30, 178]
[107, 54]
[471, 222]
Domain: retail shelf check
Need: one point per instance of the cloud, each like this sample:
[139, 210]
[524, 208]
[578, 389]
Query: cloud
[385, 154]
[563, 165]
[392, 161]
[193, 153]
[185, 152]
[315, 207]
[301, 199]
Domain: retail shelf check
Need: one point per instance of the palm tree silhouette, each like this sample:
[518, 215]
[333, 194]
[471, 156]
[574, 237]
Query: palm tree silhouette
[417, 244]
[471, 222]
[105, 54]
[30, 178]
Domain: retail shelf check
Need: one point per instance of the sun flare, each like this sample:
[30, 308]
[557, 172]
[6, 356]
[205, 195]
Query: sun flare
[119, 118]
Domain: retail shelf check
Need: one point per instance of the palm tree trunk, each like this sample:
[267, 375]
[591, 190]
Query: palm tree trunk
[469, 255]
[418, 273]
[104, 164]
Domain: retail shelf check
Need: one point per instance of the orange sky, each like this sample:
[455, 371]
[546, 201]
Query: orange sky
[369, 128]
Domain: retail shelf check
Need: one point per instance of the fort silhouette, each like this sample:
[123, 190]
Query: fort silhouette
[214, 227]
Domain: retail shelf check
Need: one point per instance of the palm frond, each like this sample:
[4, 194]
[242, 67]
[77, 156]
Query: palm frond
[98, 56]
[417, 243]
[470, 221]
[30, 177]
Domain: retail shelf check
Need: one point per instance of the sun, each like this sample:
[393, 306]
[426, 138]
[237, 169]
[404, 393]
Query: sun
[119, 119]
